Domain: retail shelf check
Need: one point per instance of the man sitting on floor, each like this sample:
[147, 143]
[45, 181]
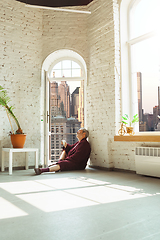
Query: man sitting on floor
[73, 157]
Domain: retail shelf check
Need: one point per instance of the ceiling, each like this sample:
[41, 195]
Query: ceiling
[56, 3]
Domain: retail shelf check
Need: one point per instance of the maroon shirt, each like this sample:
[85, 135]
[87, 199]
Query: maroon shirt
[77, 156]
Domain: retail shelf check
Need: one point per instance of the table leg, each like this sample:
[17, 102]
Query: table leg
[2, 163]
[10, 162]
[26, 158]
[36, 159]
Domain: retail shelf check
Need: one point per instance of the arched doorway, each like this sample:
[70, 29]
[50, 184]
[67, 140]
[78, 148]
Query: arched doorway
[58, 121]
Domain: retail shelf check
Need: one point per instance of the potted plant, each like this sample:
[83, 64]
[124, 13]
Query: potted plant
[17, 137]
[126, 120]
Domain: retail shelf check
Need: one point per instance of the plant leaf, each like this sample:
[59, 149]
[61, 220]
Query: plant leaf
[136, 119]
[124, 118]
[135, 116]
[4, 99]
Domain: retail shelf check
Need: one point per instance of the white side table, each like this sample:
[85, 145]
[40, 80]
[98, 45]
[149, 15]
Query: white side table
[19, 150]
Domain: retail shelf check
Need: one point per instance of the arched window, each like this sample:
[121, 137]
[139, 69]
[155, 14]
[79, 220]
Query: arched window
[141, 55]
[66, 104]
[63, 108]
[66, 68]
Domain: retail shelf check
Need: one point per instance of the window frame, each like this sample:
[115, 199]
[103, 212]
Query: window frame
[128, 97]
[71, 68]
[47, 64]
[66, 78]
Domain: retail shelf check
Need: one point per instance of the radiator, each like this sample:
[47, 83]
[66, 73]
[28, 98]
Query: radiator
[147, 160]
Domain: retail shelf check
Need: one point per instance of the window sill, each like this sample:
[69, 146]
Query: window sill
[138, 138]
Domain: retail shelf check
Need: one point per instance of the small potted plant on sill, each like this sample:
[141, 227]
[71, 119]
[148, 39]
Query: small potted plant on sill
[127, 121]
[17, 137]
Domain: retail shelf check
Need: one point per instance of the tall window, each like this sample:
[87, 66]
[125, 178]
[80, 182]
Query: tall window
[144, 47]
[66, 104]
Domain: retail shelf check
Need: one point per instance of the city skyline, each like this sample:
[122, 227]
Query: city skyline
[65, 103]
[147, 121]
[67, 116]
[149, 93]
[146, 53]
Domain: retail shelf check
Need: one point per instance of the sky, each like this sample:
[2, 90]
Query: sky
[73, 85]
[146, 54]
[68, 68]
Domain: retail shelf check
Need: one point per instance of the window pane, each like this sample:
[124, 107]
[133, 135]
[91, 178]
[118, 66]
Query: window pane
[66, 64]
[57, 66]
[76, 72]
[58, 73]
[145, 17]
[66, 73]
[146, 66]
[75, 65]
[66, 69]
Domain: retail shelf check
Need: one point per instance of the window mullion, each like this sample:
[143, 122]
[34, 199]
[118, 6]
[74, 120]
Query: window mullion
[141, 38]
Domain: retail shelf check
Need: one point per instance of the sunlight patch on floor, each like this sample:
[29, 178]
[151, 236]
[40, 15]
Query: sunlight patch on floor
[55, 201]
[63, 183]
[104, 194]
[59, 194]
[9, 210]
[24, 187]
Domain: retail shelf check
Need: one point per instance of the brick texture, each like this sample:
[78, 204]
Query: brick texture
[63, 30]
[20, 68]
[101, 81]
[28, 36]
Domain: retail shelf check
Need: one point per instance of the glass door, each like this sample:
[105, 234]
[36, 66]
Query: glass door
[66, 114]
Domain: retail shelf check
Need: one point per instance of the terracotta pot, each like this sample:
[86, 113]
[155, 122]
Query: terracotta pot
[18, 140]
[130, 130]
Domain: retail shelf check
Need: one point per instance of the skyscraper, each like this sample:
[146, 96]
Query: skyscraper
[81, 104]
[62, 128]
[139, 92]
[64, 93]
[60, 99]
[155, 116]
[75, 102]
[158, 100]
[54, 100]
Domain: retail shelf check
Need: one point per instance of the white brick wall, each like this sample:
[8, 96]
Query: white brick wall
[63, 30]
[101, 87]
[122, 153]
[20, 66]
[28, 36]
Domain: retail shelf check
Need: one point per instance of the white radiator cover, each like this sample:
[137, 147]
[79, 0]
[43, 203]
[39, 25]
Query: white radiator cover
[147, 160]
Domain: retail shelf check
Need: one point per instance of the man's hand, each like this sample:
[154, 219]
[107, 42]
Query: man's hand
[63, 142]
